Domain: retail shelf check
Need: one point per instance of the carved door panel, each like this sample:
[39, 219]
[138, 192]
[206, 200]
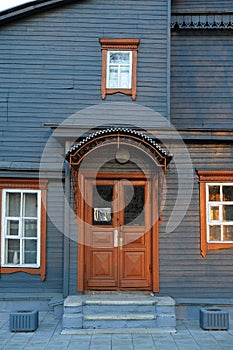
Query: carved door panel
[117, 234]
[134, 247]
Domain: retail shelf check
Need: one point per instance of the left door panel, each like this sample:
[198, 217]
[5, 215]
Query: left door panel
[100, 253]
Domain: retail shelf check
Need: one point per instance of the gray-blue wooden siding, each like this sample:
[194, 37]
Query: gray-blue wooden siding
[50, 68]
[201, 79]
[201, 5]
[183, 272]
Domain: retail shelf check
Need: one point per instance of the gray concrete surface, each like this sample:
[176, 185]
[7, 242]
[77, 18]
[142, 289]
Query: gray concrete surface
[189, 336]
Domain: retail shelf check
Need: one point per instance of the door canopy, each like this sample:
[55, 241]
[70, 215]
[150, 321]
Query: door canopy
[118, 136]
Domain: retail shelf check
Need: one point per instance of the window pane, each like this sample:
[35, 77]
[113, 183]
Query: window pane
[133, 212]
[214, 213]
[30, 251]
[13, 204]
[119, 58]
[30, 228]
[30, 204]
[228, 233]
[102, 205]
[102, 216]
[13, 251]
[227, 212]
[227, 193]
[113, 77]
[124, 78]
[12, 227]
[214, 193]
[215, 233]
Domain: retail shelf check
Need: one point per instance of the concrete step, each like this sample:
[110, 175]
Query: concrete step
[118, 312]
[119, 321]
[120, 316]
[143, 330]
[118, 305]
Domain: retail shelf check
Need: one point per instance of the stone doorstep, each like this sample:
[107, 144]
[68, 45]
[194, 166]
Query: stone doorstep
[164, 330]
[77, 321]
[79, 300]
[119, 317]
[119, 302]
[73, 301]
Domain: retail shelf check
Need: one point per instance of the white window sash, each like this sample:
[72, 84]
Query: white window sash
[5, 237]
[119, 65]
[219, 204]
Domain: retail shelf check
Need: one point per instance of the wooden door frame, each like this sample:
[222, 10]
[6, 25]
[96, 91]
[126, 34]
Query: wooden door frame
[80, 215]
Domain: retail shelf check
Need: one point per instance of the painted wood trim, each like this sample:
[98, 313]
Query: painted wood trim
[207, 176]
[127, 137]
[43, 234]
[80, 220]
[104, 74]
[155, 236]
[116, 175]
[121, 44]
[215, 175]
[203, 232]
[38, 185]
[80, 213]
[210, 21]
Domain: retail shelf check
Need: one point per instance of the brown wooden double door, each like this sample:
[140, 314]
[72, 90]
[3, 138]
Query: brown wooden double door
[117, 234]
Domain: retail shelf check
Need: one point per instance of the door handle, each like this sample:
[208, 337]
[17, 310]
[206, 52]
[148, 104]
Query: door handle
[121, 243]
[115, 238]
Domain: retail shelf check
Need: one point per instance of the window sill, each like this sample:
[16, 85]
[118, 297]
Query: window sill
[122, 91]
[30, 270]
[215, 246]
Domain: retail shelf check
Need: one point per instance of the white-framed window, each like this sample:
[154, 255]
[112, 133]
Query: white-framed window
[219, 199]
[216, 210]
[119, 66]
[119, 69]
[20, 229]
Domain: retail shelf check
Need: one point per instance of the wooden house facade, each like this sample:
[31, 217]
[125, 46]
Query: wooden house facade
[116, 148]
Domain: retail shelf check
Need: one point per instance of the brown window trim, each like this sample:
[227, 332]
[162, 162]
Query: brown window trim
[121, 45]
[37, 185]
[208, 176]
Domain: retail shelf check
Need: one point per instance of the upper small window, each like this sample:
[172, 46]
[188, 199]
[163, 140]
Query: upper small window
[119, 66]
[216, 210]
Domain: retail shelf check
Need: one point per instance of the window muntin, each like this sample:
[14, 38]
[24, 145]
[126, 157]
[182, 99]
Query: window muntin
[219, 199]
[119, 69]
[21, 218]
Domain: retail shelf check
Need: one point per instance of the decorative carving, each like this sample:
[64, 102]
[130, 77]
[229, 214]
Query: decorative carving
[113, 135]
[202, 21]
[122, 43]
[215, 175]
